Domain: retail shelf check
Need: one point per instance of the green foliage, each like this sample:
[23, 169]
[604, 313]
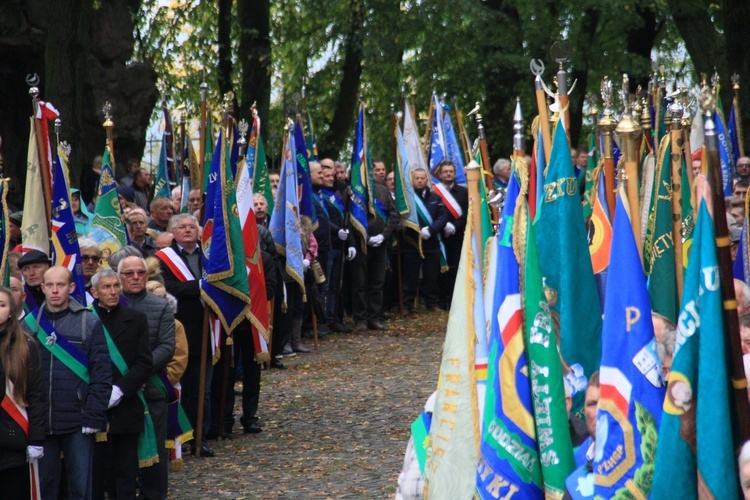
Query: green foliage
[464, 49]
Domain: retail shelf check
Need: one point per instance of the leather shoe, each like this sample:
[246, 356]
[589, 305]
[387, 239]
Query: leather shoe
[341, 328]
[300, 348]
[206, 451]
[253, 428]
[276, 363]
[376, 325]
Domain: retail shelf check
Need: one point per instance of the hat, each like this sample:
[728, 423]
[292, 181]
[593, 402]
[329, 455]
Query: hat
[33, 257]
[16, 218]
[126, 193]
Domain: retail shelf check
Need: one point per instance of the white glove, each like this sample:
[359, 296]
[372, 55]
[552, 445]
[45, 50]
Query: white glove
[375, 241]
[89, 430]
[351, 252]
[449, 230]
[425, 233]
[115, 397]
[305, 264]
[34, 453]
[343, 234]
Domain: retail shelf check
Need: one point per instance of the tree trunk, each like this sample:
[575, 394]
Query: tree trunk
[583, 52]
[333, 140]
[254, 17]
[225, 46]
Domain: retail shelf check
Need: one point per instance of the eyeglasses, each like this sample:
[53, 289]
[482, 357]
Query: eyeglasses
[92, 258]
[130, 274]
[743, 165]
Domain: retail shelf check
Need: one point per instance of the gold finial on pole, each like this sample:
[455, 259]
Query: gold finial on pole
[607, 124]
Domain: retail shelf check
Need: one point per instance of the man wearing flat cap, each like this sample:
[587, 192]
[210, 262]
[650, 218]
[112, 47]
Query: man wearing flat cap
[14, 229]
[33, 265]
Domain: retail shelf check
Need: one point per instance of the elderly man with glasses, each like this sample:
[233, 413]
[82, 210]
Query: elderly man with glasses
[742, 169]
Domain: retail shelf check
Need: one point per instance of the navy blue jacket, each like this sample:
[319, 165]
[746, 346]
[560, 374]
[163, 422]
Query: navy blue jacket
[73, 403]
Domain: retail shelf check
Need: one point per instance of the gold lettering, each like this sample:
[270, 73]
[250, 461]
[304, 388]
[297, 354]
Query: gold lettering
[453, 361]
[494, 487]
[453, 377]
[451, 392]
[632, 315]
[440, 452]
[513, 490]
[439, 436]
[451, 423]
[484, 470]
[451, 407]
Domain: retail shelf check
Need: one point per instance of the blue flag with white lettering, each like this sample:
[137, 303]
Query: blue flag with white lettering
[630, 381]
[437, 138]
[725, 154]
[359, 182]
[303, 174]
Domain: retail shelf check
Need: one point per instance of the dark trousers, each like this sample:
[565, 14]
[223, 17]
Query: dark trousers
[430, 267]
[15, 483]
[155, 479]
[190, 389]
[78, 450]
[447, 280]
[368, 277]
[391, 290]
[244, 354]
[333, 278]
[115, 468]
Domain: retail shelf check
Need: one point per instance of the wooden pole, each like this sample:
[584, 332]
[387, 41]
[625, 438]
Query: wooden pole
[203, 125]
[428, 128]
[607, 125]
[739, 382]
[314, 324]
[675, 135]
[43, 158]
[541, 104]
[462, 133]
[631, 133]
[486, 167]
[473, 177]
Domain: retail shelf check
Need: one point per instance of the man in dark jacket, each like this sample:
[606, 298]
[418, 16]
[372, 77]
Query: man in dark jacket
[33, 265]
[182, 268]
[77, 406]
[133, 275]
[131, 367]
[455, 198]
[432, 220]
[368, 269]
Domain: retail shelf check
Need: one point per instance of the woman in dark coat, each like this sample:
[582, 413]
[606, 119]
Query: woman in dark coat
[24, 404]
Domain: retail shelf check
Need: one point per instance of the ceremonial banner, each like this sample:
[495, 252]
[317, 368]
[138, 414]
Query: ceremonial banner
[733, 131]
[631, 387]
[107, 227]
[725, 154]
[412, 141]
[437, 138]
[285, 225]
[404, 188]
[34, 226]
[536, 175]
[303, 174]
[65, 250]
[253, 262]
[4, 240]
[566, 265]
[695, 455]
[454, 435]
[550, 412]
[208, 153]
[508, 462]
[312, 147]
[224, 284]
[161, 183]
[697, 133]
[358, 181]
[659, 247]
[453, 149]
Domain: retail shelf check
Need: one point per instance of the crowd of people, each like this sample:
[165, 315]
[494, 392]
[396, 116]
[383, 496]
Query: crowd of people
[89, 363]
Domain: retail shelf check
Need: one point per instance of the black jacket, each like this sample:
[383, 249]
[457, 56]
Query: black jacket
[435, 207]
[13, 441]
[461, 195]
[129, 332]
[189, 306]
[74, 403]
[323, 231]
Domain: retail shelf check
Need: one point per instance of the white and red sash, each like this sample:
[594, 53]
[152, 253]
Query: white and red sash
[175, 264]
[448, 200]
[19, 416]
[182, 272]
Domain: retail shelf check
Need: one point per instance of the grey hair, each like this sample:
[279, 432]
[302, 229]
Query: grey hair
[745, 292]
[143, 261]
[500, 164]
[104, 273]
[85, 242]
[178, 217]
[117, 257]
[665, 347]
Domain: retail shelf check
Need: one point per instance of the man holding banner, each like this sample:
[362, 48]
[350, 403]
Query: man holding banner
[456, 200]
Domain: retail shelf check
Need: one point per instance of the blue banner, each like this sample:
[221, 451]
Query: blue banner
[358, 180]
[453, 150]
[630, 380]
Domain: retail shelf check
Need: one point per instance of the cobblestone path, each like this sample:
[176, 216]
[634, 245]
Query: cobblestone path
[336, 421]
